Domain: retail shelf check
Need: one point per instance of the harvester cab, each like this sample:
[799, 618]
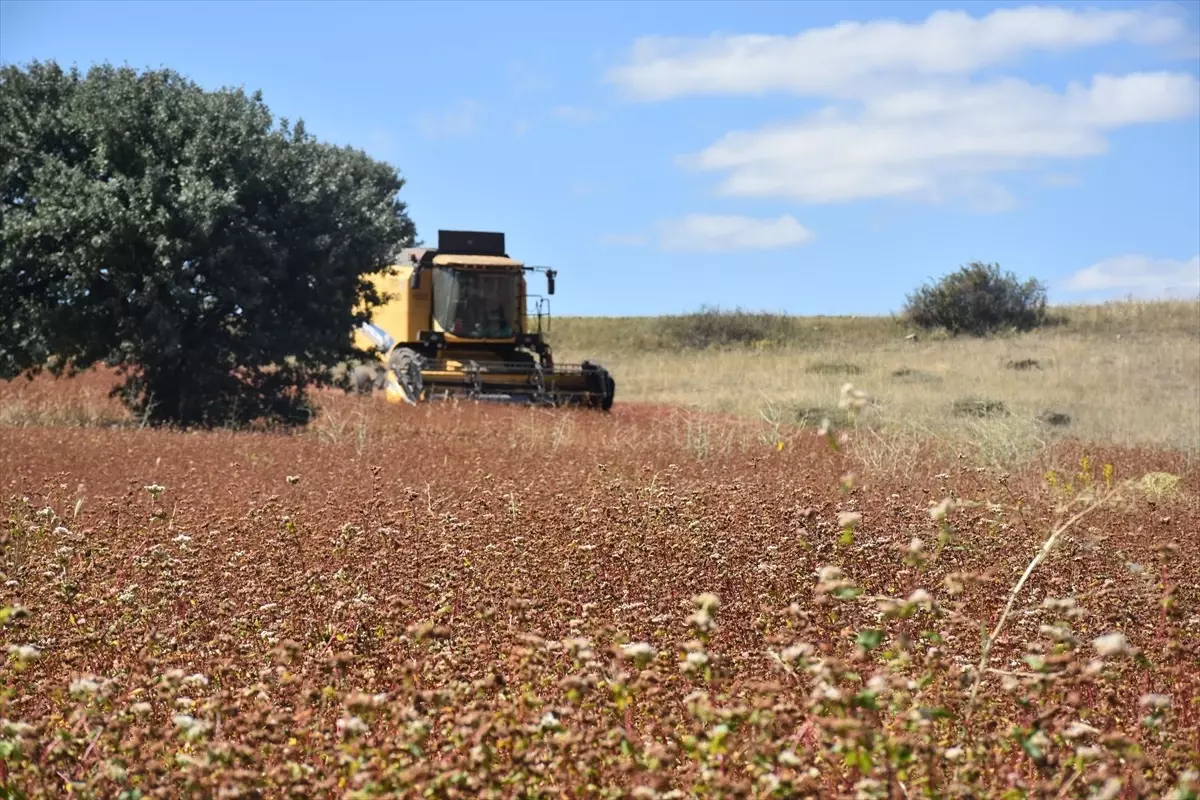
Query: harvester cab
[456, 321]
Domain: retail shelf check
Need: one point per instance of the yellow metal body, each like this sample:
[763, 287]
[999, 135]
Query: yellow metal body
[406, 327]
[405, 311]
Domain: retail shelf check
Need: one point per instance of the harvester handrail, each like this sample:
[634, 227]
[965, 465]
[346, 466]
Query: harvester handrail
[541, 301]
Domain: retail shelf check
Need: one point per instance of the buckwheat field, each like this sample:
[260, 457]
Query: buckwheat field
[465, 601]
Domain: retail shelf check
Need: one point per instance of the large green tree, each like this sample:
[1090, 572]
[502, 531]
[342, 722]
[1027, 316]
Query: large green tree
[215, 258]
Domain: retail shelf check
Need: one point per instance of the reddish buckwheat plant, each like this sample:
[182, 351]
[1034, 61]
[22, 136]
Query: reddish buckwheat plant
[463, 601]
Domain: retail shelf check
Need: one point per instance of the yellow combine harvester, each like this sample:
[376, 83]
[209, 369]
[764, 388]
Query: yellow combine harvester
[456, 322]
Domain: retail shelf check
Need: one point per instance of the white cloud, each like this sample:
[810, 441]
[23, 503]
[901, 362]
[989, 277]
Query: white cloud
[526, 79]
[712, 233]
[905, 119]
[846, 57]
[458, 122]
[934, 142]
[1139, 275]
[576, 114]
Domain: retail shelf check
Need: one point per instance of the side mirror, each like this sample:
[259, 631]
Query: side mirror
[414, 282]
[550, 281]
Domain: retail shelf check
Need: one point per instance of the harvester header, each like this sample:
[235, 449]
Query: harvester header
[458, 321]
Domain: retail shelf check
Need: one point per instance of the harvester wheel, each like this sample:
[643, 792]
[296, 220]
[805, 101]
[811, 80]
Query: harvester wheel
[406, 365]
[600, 384]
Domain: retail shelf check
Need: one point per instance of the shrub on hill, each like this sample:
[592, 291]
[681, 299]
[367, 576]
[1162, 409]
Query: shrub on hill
[977, 300]
[714, 327]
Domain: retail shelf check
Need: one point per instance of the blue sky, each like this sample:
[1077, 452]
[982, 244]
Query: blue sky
[813, 158]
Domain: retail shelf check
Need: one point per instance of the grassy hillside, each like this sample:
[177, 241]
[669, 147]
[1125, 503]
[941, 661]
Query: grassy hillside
[621, 335]
[632, 335]
[1126, 372]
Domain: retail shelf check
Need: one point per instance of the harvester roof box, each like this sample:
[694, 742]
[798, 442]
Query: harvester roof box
[471, 243]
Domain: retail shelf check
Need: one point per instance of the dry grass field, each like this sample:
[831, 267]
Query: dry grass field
[462, 601]
[1127, 373]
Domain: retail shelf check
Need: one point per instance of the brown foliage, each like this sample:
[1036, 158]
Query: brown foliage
[483, 601]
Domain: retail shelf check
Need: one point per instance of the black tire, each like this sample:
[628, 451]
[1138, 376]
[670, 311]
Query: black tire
[406, 364]
[600, 385]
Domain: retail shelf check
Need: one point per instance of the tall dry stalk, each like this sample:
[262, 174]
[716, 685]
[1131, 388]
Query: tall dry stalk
[1045, 549]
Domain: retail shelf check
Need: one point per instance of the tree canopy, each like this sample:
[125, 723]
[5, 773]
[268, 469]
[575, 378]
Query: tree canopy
[215, 258]
[978, 300]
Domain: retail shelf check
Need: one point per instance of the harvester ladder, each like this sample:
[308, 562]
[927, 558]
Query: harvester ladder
[476, 380]
[539, 382]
